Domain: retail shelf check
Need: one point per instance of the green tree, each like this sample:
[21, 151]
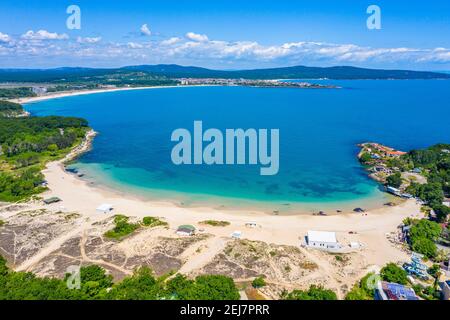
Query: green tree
[52, 148]
[140, 286]
[442, 212]
[313, 293]
[394, 180]
[3, 267]
[393, 273]
[363, 290]
[258, 282]
[206, 287]
[424, 246]
[215, 287]
[425, 229]
[365, 157]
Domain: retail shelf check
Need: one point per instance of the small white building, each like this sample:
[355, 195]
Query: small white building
[236, 235]
[322, 240]
[186, 230]
[105, 208]
[251, 225]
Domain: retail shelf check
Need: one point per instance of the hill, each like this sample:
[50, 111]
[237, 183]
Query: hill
[177, 71]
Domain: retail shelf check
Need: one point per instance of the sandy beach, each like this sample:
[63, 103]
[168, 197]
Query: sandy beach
[63, 94]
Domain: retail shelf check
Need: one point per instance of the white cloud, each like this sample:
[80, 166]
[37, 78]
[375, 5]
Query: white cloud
[145, 30]
[170, 41]
[44, 35]
[89, 39]
[199, 50]
[135, 45]
[4, 37]
[197, 37]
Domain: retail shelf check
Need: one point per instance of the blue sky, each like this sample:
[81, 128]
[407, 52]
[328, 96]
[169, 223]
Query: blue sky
[226, 34]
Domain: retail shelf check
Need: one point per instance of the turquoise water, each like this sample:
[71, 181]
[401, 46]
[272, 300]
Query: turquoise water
[319, 131]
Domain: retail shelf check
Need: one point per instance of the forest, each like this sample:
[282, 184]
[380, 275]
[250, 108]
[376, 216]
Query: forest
[27, 143]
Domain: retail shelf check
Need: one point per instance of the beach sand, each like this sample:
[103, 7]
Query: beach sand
[63, 94]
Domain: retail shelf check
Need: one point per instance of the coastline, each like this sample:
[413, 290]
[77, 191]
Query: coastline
[369, 228]
[63, 94]
[373, 229]
[180, 199]
[98, 179]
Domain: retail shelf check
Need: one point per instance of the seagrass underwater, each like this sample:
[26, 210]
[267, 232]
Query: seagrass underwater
[235, 147]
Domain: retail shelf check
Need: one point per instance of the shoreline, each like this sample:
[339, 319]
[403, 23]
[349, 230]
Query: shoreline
[197, 200]
[64, 94]
[369, 228]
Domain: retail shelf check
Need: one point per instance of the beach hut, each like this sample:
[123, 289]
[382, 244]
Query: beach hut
[236, 235]
[186, 230]
[105, 208]
[355, 245]
[322, 240]
[52, 200]
[393, 190]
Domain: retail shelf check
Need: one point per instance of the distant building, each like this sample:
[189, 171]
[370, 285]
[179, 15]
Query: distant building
[52, 200]
[322, 240]
[186, 230]
[39, 90]
[394, 291]
[236, 235]
[445, 286]
[105, 208]
[445, 266]
[393, 190]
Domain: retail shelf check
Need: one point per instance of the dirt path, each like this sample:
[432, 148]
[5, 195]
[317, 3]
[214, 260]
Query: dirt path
[53, 245]
[85, 258]
[208, 250]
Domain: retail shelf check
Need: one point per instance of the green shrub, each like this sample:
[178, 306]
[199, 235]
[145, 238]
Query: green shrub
[393, 273]
[153, 222]
[215, 223]
[313, 293]
[258, 282]
[122, 228]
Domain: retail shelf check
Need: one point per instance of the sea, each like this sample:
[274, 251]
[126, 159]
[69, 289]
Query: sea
[319, 130]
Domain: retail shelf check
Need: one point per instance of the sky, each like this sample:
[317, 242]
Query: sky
[228, 34]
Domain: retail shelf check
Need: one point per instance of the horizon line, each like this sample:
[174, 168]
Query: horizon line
[213, 69]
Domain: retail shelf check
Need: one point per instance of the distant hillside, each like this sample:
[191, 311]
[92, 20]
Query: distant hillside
[297, 72]
[50, 75]
[177, 71]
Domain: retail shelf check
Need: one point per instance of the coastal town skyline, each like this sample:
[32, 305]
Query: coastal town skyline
[242, 36]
